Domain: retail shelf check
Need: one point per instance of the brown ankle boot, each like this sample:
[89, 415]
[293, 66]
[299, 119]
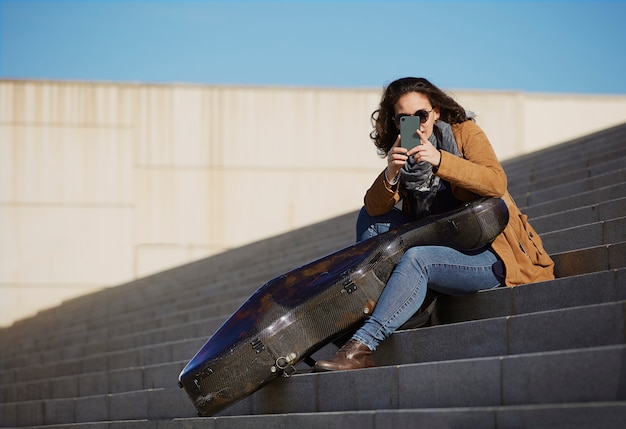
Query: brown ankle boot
[353, 355]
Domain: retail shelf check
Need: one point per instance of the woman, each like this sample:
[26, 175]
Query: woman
[454, 164]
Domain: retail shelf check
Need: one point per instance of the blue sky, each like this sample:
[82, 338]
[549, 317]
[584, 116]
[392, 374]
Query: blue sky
[535, 46]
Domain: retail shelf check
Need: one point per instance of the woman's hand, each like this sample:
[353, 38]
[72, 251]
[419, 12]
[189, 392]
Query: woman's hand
[396, 158]
[425, 152]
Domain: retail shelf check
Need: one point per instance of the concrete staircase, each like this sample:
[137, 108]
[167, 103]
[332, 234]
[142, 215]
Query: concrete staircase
[550, 354]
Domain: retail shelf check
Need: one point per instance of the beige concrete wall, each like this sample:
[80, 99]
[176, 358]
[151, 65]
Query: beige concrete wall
[103, 183]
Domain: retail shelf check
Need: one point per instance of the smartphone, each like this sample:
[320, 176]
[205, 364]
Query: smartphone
[408, 136]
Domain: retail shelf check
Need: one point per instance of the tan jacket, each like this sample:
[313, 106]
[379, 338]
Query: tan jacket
[477, 173]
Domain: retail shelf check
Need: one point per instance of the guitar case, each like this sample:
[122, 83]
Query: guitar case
[295, 314]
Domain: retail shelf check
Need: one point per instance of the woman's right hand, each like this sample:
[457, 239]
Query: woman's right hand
[396, 158]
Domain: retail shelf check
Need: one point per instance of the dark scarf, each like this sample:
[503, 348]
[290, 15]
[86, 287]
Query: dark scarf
[418, 177]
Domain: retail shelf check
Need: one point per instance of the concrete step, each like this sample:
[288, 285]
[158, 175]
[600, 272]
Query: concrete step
[571, 188]
[572, 201]
[525, 379]
[595, 325]
[96, 383]
[564, 162]
[572, 159]
[583, 215]
[137, 306]
[608, 286]
[590, 260]
[138, 357]
[139, 333]
[571, 328]
[583, 149]
[576, 291]
[524, 183]
[594, 234]
[518, 380]
[601, 415]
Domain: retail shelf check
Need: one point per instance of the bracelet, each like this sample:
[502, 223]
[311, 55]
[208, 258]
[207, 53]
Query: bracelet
[395, 179]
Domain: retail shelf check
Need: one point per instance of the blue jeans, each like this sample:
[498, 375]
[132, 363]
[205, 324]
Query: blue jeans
[439, 268]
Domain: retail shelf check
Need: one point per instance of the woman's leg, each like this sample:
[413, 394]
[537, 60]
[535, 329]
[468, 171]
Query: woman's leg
[442, 269]
[439, 268]
[370, 226]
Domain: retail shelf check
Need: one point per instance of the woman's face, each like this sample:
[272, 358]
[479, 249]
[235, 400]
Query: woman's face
[410, 103]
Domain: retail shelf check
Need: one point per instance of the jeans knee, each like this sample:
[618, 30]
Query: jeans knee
[418, 256]
[413, 252]
[368, 226]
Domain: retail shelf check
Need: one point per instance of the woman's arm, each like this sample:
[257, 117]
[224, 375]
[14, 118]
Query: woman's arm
[478, 170]
[381, 196]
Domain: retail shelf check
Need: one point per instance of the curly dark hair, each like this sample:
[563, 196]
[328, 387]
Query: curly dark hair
[385, 131]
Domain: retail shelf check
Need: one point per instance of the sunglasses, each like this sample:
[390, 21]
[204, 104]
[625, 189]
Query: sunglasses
[423, 115]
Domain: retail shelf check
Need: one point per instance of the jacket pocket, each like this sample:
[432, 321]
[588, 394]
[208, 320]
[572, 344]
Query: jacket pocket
[531, 243]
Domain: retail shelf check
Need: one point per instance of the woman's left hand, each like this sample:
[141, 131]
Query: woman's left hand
[425, 152]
